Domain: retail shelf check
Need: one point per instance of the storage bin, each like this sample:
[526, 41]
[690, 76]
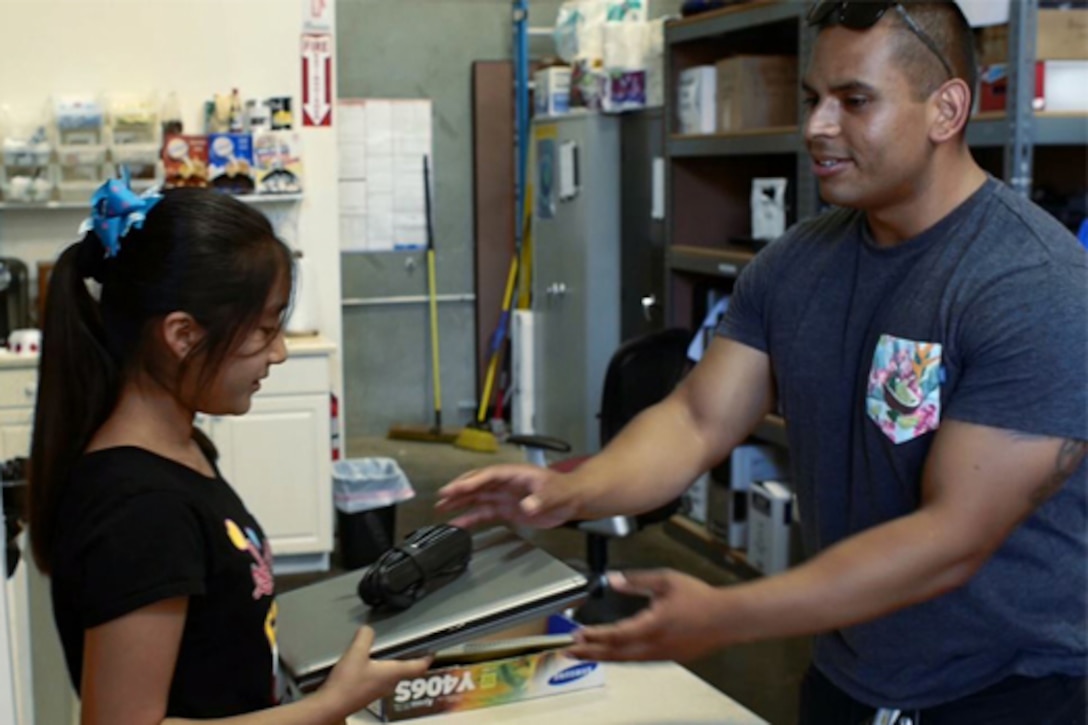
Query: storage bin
[77, 191]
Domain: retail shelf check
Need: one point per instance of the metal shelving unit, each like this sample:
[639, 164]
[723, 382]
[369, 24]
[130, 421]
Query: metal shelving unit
[731, 19]
[993, 129]
[776, 140]
[726, 262]
[704, 39]
[257, 199]
[1017, 132]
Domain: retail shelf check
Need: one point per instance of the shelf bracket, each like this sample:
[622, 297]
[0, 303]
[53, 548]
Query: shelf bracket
[1019, 144]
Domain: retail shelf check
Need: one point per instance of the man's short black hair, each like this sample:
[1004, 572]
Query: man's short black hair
[943, 21]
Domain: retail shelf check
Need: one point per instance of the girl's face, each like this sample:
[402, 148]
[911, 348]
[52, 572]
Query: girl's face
[231, 390]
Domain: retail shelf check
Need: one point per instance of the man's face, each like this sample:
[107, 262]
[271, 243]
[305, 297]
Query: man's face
[865, 130]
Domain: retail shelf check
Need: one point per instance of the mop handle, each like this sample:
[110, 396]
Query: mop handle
[432, 294]
[507, 299]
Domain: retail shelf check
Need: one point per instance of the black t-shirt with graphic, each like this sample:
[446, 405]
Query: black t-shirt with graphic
[135, 528]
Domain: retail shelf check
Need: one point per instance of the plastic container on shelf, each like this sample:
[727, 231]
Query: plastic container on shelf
[26, 172]
[133, 120]
[90, 155]
[81, 144]
[79, 121]
[134, 134]
[22, 153]
[24, 178]
[76, 191]
[21, 189]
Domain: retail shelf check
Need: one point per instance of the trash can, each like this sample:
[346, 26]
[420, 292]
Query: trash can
[366, 492]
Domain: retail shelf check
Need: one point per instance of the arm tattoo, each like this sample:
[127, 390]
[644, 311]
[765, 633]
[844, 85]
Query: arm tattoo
[1069, 459]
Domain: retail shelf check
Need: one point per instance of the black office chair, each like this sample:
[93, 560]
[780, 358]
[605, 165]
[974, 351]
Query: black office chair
[641, 373]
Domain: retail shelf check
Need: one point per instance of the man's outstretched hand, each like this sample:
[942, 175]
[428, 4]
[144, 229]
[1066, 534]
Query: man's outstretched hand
[683, 621]
[517, 493]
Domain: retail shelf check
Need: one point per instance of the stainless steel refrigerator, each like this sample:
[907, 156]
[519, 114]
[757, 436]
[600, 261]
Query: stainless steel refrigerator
[576, 271]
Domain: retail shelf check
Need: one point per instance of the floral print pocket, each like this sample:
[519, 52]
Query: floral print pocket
[904, 392]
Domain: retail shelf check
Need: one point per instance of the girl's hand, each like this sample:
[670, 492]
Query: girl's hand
[357, 680]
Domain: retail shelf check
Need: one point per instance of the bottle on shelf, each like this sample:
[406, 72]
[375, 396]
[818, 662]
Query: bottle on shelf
[171, 115]
[237, 123]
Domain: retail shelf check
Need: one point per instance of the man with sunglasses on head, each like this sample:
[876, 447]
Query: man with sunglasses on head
[927, 343]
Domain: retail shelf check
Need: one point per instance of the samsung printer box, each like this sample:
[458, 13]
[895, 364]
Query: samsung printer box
[526, 675]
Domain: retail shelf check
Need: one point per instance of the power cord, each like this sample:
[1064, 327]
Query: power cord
[429, 558]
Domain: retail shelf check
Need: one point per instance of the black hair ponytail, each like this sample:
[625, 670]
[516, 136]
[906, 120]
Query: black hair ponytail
[82, 380]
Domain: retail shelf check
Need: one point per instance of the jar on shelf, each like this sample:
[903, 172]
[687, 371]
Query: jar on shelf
[26, 174]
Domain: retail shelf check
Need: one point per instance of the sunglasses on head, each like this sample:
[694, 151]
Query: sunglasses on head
[863, 14]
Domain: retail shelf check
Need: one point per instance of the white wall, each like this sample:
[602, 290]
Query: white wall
[193, 47]
[7, 682]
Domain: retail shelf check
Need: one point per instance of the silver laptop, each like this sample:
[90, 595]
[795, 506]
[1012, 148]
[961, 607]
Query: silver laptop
[508, 581]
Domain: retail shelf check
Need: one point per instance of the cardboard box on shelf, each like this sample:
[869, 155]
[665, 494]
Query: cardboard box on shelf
[185, 160]
[695, 501]
[727, 511]
[771, 516]
[551, 91]
[230, 162]
[1059, 86]
[471, 685]
[756, 91]
[1062, 35]
[277, 162]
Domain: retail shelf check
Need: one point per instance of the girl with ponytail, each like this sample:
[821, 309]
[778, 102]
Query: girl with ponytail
[162, 587]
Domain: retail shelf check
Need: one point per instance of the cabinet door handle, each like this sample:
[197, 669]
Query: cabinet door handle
[649, 302]
[556, 289]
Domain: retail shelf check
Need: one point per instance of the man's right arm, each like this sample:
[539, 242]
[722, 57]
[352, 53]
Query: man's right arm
[657, 456]
[652, 460]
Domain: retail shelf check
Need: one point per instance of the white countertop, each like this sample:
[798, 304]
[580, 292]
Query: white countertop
[9, 360]
[302, 345]
[648, 693]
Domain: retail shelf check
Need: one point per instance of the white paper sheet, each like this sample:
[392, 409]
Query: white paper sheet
[985, 12]
[568, 170]
[381, 173]
[657, 192]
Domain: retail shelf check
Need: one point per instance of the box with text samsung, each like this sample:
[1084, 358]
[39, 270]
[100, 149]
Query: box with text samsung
[770, 516]
[484, 674]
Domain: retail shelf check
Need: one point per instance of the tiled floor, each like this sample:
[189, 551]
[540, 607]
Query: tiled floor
[764, 677]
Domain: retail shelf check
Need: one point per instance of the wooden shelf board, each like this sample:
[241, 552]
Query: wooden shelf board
[731, 19]
[725, 262]
[693, 534]
[772, 430]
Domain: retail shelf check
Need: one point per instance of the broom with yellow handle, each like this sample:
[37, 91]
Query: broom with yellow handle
[435, 433]
[478, 437]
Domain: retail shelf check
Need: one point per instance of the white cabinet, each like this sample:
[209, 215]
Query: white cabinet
[18, 380]
[277, 457]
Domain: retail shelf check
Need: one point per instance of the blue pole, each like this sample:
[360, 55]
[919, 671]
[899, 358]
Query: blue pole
[521, 114]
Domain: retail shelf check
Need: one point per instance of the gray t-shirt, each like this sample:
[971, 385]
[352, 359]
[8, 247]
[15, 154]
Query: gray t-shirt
[982, 318]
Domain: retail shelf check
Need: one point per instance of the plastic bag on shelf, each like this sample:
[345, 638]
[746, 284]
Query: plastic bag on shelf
[624, 48]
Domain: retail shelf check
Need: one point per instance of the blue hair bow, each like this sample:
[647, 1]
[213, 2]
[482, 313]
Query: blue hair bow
[115, 210]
